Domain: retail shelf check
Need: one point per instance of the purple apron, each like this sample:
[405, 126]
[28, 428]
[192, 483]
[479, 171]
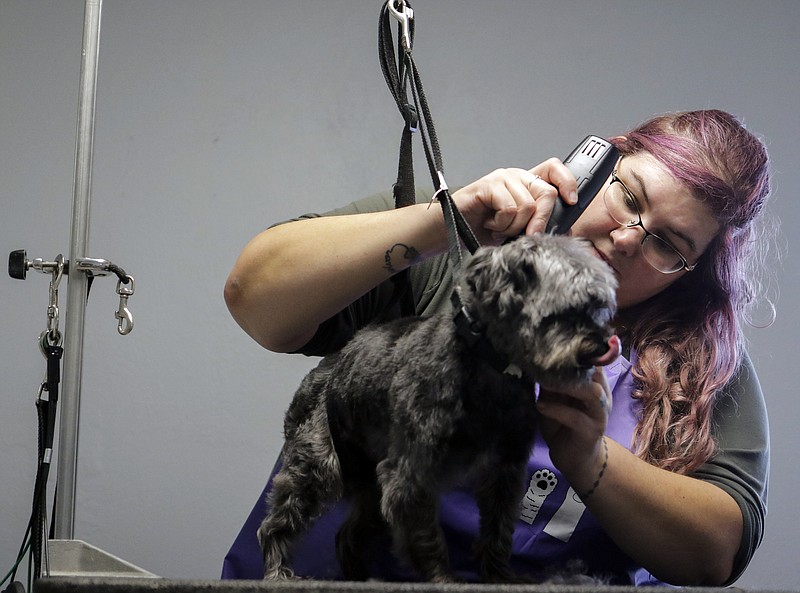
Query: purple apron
[553, 527]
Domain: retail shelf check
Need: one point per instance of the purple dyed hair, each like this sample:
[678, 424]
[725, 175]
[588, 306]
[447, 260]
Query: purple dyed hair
[689, 337]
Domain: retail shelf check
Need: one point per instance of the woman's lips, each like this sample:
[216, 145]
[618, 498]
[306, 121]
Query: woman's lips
[602, 256]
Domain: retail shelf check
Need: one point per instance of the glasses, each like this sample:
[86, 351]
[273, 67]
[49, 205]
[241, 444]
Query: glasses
[621, 205]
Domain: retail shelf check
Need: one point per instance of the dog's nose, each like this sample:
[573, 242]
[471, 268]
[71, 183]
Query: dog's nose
[614, 349]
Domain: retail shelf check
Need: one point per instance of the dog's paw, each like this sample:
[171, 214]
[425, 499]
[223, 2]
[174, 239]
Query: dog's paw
[444, 578]
[280, 573]
[543, 482]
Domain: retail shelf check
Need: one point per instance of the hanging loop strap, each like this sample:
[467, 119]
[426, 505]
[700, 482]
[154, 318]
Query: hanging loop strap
[395, 68]
[457, 227]
[402, 76]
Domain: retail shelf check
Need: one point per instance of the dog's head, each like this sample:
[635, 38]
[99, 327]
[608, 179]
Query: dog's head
[547, 303]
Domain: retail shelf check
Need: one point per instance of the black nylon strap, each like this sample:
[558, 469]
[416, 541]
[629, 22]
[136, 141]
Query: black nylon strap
[401, 74]
[47, 422]
[404, 189]
[54, 354]
[457, 229]
[395, 72]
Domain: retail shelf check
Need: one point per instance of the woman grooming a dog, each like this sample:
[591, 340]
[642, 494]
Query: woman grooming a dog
[669, 483]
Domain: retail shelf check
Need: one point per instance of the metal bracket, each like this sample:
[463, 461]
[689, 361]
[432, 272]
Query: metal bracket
[19, 264]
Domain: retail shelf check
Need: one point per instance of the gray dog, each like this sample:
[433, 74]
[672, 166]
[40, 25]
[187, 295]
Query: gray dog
[411, 407]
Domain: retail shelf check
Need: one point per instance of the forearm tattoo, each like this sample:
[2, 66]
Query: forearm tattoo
[401, 253]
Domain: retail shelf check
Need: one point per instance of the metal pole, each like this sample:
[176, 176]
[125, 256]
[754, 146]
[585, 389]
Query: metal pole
[64, 519]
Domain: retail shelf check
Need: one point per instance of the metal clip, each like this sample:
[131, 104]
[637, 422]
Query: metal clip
[42, 389]
[52, 333]
[94, 266]
[124, 314]
[46, 341]
[404, 15]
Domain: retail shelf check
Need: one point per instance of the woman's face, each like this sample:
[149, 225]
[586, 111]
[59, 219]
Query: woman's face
[667, 210]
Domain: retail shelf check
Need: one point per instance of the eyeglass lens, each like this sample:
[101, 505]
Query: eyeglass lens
[622, 208]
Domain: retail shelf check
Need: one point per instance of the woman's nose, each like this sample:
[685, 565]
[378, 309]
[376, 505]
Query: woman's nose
[626, 239]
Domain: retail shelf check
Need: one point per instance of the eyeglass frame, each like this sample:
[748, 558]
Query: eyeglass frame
[629, 225]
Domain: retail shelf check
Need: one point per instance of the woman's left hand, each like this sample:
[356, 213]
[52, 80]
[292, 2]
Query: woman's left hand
[573, 425]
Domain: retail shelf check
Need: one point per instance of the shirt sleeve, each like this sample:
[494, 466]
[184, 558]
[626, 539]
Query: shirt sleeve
[741, 465]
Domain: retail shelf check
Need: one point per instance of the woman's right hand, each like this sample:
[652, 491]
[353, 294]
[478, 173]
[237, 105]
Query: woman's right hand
[508, 202]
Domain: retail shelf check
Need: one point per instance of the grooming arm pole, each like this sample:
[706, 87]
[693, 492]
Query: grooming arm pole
[64, 519]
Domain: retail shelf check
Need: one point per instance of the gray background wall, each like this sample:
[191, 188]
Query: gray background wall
[215, 119]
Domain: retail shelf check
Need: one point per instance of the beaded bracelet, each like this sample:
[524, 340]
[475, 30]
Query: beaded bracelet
[599, 476]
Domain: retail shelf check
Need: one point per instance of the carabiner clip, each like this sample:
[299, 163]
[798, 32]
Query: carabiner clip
[58, 272]
[53, 334]
[125, 317]
[404, 15]
[124, 314]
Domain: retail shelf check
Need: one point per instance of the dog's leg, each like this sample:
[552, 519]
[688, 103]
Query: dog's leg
[309, 479]
[361, 526]
[498, 501]
[280, 527]
[410, 508]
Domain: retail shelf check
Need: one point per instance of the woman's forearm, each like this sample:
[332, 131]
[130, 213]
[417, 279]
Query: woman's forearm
[292, 277]
[682, 530]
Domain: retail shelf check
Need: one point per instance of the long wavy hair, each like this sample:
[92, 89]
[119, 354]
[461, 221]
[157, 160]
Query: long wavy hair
[689, 338]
